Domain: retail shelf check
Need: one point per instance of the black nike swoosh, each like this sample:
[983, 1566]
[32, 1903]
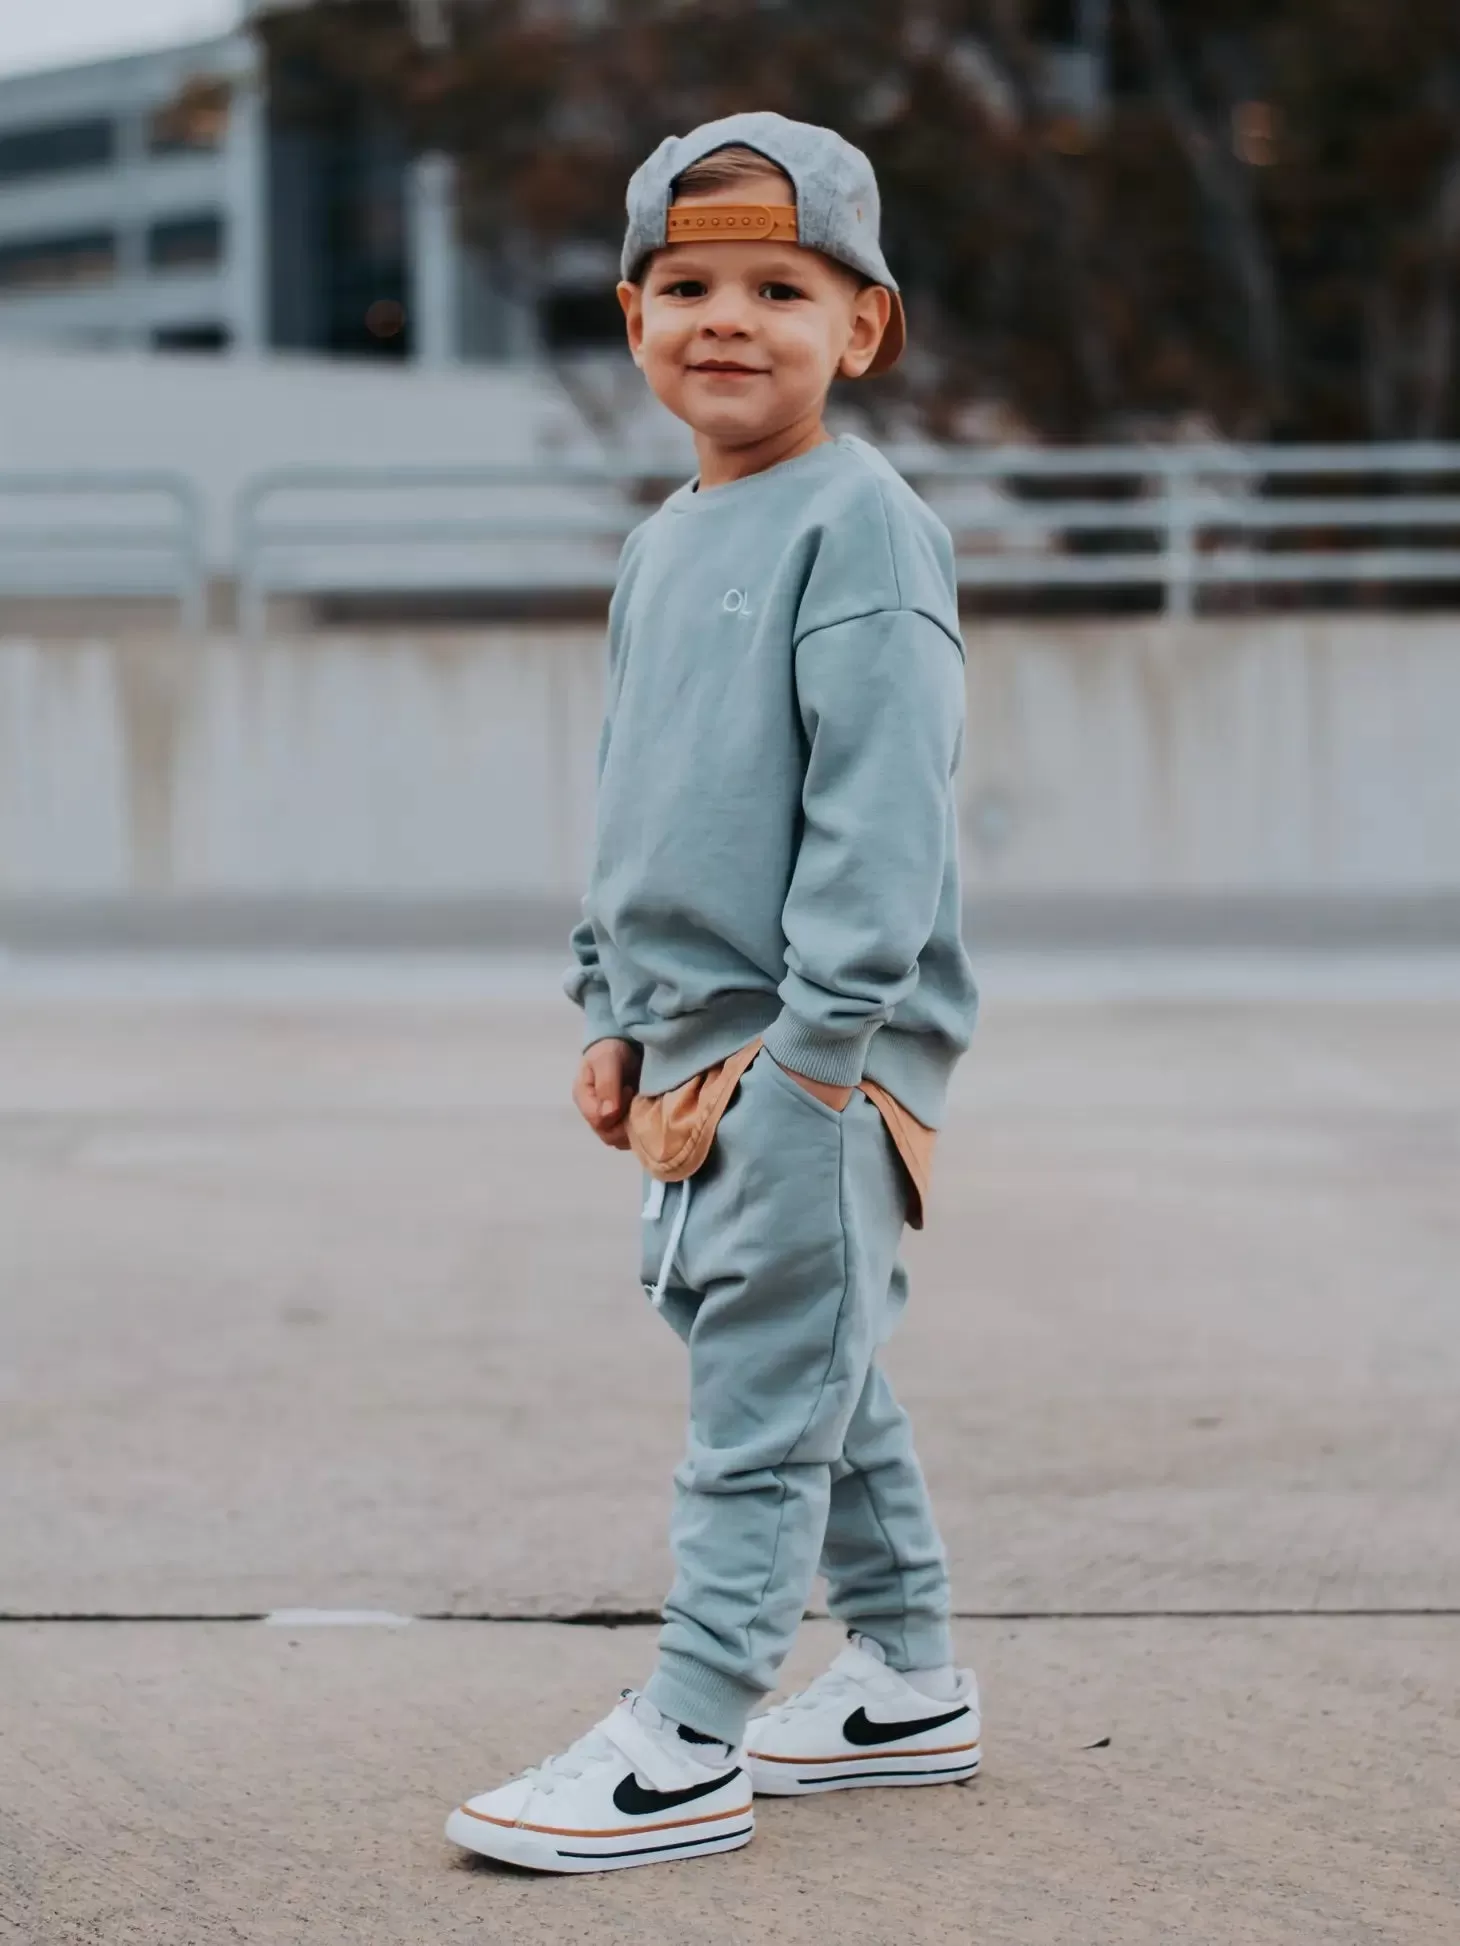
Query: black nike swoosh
[858, 1730]
[634, 1801]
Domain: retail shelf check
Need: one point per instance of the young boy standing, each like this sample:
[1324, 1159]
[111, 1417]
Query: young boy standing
[775, 990]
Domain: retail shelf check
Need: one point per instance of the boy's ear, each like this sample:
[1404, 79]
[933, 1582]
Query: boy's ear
[631, 299]
[870, 314]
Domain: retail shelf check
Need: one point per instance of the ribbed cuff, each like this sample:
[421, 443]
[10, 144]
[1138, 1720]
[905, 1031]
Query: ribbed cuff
[837, 1059]
[598, 1021]
[912, 1642]
[690, 1692]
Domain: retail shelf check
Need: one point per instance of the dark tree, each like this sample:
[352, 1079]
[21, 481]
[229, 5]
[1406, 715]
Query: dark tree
[1108, 215]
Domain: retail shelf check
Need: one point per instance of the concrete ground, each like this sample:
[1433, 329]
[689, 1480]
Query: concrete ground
[315, 1298]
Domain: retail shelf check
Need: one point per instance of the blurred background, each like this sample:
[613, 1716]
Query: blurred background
[336, 1436]
[312, 365]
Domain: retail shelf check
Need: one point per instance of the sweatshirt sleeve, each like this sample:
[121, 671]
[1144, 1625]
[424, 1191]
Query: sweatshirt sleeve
[881, 700]
[586, 983]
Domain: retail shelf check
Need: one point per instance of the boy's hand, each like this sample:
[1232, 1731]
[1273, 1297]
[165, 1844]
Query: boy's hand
[836, 1098]
[608, 1079]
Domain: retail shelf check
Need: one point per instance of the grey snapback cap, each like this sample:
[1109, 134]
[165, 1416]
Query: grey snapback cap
[838, 210]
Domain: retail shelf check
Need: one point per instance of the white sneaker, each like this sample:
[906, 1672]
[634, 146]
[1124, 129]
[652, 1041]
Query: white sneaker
[631, 1792]
[862, 1723]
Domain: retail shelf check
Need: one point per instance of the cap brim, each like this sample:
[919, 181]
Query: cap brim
[894, 339]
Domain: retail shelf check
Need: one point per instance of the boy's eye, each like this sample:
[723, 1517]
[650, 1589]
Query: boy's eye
[685, 287]
[781, 293]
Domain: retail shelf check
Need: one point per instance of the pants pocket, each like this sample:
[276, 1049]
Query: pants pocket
[790, 1086]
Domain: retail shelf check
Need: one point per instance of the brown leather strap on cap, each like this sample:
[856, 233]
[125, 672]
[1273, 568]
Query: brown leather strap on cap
[732, 223]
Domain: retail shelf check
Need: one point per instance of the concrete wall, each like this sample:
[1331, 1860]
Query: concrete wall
[1316, 756]
[1312, 755]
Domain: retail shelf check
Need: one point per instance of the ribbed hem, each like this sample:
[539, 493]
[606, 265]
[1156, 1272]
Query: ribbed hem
[714, 1704]
[837, 1059]
[598, 1021]
[690, 1043]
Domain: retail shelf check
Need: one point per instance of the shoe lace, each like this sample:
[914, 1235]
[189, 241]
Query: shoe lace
[831, 1682]
[570, 1764]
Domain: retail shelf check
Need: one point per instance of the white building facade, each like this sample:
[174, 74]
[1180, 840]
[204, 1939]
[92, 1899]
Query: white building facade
[150, 202]
[132, 203]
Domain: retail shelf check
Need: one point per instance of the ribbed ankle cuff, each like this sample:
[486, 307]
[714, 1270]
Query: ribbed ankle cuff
[689, 1692]
[921, 1643]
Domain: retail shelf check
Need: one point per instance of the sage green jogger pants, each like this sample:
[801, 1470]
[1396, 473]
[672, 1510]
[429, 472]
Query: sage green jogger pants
[784, 1282]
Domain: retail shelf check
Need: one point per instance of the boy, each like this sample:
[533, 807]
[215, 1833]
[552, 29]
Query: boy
[775, 992]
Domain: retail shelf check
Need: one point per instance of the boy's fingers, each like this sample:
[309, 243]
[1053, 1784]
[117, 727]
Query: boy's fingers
[608, 1078]
[586, 1098]
[602, 1093]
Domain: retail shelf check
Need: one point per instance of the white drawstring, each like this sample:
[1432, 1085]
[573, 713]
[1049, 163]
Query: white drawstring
[656, 1294]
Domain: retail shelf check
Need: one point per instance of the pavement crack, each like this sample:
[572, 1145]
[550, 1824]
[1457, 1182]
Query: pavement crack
[650, 1617]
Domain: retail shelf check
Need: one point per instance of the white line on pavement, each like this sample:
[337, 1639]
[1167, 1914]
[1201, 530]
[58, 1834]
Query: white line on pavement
[335, 1618]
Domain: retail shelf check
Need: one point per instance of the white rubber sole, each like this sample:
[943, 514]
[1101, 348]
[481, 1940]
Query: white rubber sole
[786, 1777]
[570, 1851]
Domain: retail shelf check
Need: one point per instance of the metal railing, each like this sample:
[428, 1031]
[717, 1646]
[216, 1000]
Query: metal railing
[104, 533]
[302, 529]
[1181, 519]
[1177, 520]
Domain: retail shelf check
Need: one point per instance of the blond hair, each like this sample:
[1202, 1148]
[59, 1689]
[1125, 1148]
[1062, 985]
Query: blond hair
[723, 168]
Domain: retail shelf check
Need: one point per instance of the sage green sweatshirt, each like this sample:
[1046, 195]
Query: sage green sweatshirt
[777, 844]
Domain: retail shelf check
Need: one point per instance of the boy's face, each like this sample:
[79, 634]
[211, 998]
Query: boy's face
[743, 340]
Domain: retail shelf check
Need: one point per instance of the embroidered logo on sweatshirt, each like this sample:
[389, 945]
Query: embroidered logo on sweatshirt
[736, 602]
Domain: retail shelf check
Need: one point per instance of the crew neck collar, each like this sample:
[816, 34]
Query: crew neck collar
[693, 498]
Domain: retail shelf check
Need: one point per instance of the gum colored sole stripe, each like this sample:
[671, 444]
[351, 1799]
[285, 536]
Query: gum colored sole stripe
[624, 1831]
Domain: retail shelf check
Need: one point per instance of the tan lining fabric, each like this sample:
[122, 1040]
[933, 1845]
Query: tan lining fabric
[673, 1133]
[913, 1141]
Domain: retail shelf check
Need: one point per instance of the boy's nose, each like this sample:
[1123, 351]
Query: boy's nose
[724, 318]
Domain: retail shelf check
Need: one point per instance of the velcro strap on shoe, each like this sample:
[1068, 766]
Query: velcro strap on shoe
[644, 1753]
